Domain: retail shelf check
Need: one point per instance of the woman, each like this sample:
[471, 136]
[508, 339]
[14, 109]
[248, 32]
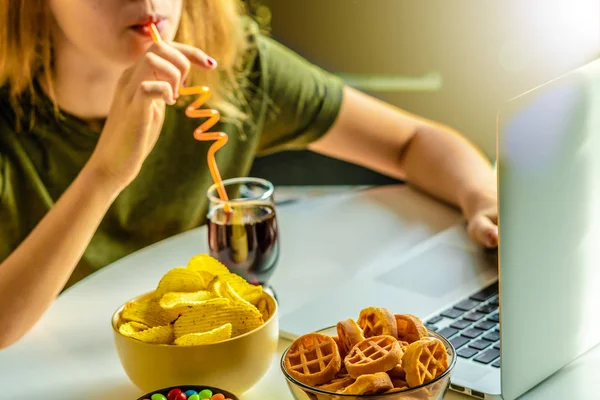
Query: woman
[97, 157]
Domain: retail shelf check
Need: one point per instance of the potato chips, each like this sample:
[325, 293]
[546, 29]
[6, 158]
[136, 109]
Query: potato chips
[246, 290]
[207, 265]
[201, 303]
[156, 335]
[148, 312]
[217, 312]
[216, 335]
[174, 300]
[181, 280]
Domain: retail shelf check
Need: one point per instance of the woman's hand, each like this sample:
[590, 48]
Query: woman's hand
[483, 228]
[482, 216]
[138, 109]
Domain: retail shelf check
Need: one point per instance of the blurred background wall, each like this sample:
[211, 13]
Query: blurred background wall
[455, 61]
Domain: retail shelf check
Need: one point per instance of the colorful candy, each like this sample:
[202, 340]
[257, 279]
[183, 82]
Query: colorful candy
[178, 394]
[173, 395]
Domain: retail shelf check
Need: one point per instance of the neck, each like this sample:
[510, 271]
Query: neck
[84, 89]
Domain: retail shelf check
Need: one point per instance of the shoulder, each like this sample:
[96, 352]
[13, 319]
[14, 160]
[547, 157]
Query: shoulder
[264, 57]
[262, 53]
[273, 67]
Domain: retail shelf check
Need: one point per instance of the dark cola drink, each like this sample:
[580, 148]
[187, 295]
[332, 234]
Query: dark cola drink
[245, 240]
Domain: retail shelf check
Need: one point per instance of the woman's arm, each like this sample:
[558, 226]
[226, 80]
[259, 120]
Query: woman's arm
[35, 273]
[430, 156]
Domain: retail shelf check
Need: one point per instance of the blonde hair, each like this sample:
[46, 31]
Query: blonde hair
[26, 47]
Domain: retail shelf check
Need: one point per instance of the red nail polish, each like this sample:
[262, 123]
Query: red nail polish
[211, 62]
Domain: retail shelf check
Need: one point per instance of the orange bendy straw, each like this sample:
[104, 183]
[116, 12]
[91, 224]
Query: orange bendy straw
[194, 111]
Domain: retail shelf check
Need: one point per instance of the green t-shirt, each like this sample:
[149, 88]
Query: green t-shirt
[292, 104]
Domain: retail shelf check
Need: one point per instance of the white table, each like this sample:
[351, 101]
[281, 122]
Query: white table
[70, 354]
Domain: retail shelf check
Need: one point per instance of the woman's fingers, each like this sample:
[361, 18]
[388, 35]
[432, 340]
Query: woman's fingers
[156, 68]
[170, 63]
[155, 90]
[483, 230]
[174, 56]
[196, 56]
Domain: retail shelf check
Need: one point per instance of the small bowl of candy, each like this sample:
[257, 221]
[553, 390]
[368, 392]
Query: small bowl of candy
[192, 392]
[380, 356]
[201, 325]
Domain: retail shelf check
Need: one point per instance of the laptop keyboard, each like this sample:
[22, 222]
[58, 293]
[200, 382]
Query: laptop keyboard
[472, 325]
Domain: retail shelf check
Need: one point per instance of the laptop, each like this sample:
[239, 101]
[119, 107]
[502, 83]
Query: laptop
[516, 316]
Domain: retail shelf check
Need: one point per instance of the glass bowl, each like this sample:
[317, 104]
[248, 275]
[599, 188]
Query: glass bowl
[433, 390]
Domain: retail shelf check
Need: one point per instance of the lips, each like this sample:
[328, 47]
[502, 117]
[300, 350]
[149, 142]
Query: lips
[143, 25]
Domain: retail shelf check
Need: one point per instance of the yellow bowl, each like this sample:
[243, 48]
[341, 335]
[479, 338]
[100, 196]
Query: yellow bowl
[234, 365]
